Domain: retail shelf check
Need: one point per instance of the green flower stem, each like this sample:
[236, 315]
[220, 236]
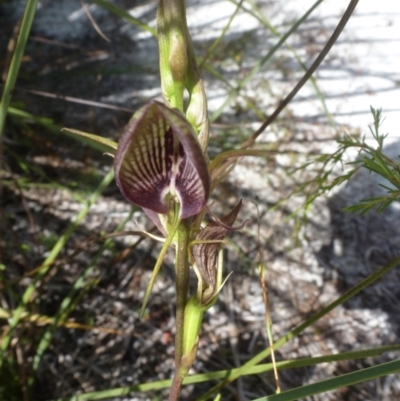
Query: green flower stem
[182, 286]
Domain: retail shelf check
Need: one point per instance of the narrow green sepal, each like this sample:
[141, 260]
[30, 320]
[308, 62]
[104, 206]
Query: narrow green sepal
[168, 241]
[98, 142]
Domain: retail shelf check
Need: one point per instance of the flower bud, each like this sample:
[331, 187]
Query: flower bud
[172, 31]
[179, 69]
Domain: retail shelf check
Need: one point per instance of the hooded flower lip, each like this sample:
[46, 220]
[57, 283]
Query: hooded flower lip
[158, 159]
[205, 254]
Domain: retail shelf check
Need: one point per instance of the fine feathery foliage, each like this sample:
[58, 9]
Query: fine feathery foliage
[373, 159]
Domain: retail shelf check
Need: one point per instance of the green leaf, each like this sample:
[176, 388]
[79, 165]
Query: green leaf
[16, 60]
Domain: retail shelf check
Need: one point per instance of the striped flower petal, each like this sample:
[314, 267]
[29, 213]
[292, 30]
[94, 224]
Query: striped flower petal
[159, 161]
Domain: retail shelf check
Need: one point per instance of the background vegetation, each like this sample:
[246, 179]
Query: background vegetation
[71, 294]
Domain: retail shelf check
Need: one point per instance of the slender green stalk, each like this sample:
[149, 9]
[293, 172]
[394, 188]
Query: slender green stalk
[182, 284]
[268, 323]
[182, 287]
[16, 60]
[94, 141]
[168, 241]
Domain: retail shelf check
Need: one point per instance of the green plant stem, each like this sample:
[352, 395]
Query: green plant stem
[16, 60]
[177, 382]
[94, 141]
[182, 286]
[182, 283]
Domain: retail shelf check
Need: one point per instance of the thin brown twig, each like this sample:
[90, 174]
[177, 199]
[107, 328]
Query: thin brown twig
[93, 22]
[23, 372]
[52, 42]
[77, 100]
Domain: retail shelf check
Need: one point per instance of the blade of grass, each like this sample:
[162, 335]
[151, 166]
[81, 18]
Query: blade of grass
[243, 82]
[12, 75]
[268, 324]
[204, 377]
[256, 12]
[125, 15]
[87, 139]
[66, 305]
[299, 329]
[348, 379]
[58, 247]
[220, 37]
[332, 40]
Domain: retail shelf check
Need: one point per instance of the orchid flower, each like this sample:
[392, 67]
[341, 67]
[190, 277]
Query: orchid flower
[159, 162]
[161, 165]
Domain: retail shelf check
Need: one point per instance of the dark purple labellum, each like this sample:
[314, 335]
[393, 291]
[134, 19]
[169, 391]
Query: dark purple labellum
[159, 161]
